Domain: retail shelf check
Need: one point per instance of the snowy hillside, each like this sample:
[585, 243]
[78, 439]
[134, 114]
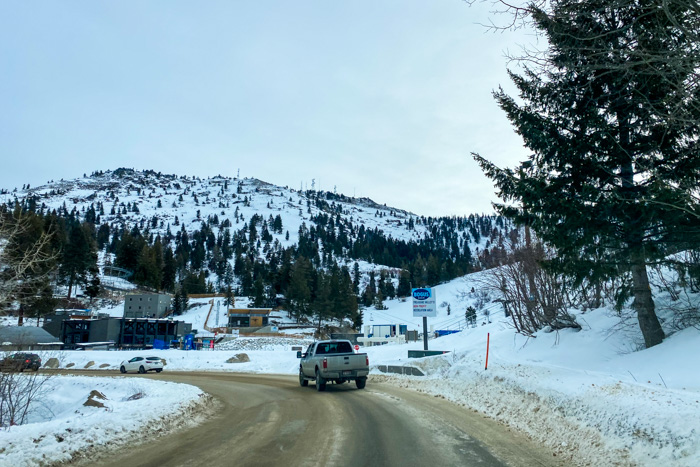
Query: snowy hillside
[193, 200]
[160, 204]
[590, 396]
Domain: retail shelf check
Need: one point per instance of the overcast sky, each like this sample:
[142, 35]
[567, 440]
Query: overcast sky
[378, 98]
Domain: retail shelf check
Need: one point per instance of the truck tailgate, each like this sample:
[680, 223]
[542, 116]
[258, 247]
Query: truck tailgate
[347, 362]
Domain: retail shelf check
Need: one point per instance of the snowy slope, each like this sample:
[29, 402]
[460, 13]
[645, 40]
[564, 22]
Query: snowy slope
[162, 203]
[587, 395]
[221, 196]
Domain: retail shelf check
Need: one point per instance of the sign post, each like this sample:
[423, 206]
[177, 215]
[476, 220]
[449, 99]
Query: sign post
[424, 306]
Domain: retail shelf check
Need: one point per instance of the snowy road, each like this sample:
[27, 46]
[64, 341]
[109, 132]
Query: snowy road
[271, 420]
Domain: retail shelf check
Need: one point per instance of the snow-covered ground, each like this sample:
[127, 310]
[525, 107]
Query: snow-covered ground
[62, 428]
[591, 396]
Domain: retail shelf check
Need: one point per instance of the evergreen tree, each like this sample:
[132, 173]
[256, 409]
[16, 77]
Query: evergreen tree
[94, 285]
[370, 292]
[322, 305]
[611, 113]
[379, 301]
[129, 249]
[177, 303]
[299, 292]
[404, 289]
[102, 236]
[356, 277]
[346, 299]
[277, 224]
[169, 274]
[229, 299]
[470, 315]
[147, 272]
[386, 285]
[184, 299]
[193, 282]
[43, 303]
[79, 255]
[432, 271]
[258, 293]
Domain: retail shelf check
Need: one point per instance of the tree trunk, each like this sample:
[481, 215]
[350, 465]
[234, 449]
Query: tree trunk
[70, 286]
[644, 305]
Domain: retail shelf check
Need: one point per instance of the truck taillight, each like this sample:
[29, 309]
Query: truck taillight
[367, 360]
[325, 363]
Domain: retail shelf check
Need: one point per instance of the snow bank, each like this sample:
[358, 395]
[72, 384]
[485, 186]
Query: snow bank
[576, 393]
[63, 428]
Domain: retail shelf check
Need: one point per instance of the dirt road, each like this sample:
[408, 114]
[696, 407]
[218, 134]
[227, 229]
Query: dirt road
[269, 420]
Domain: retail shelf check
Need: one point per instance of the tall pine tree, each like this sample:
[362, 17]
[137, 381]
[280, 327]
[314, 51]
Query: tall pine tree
[611, 113]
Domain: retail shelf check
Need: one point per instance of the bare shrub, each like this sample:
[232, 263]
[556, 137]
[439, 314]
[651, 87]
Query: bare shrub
[677, 280]
[21, 394]
[20, 266]
[533, 297]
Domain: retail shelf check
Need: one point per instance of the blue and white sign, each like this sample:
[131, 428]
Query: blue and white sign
[424, 302]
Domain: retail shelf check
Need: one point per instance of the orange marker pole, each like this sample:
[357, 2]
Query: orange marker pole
[488, 338]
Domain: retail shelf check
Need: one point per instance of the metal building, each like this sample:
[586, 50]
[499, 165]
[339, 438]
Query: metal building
[136, 333]
[152, 305]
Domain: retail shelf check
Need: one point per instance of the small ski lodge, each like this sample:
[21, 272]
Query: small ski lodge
[248, 317]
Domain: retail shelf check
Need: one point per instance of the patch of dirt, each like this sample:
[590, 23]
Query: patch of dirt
[92, 399]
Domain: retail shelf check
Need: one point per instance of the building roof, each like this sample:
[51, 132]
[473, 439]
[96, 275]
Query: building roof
[25, 335]
[249, 311]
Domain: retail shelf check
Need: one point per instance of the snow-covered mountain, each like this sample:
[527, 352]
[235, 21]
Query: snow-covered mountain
[130, 197]
[161, 204]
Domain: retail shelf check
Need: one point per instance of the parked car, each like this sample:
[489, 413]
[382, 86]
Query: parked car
[21, 361]
[142, 364]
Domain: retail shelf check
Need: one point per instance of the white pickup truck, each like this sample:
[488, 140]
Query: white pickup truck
[333, 360]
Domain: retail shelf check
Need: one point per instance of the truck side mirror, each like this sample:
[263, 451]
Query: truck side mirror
[298, 353]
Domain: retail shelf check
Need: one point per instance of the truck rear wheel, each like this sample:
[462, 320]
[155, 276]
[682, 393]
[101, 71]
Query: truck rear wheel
[360, 383]
[320, 382]
[303, 382]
